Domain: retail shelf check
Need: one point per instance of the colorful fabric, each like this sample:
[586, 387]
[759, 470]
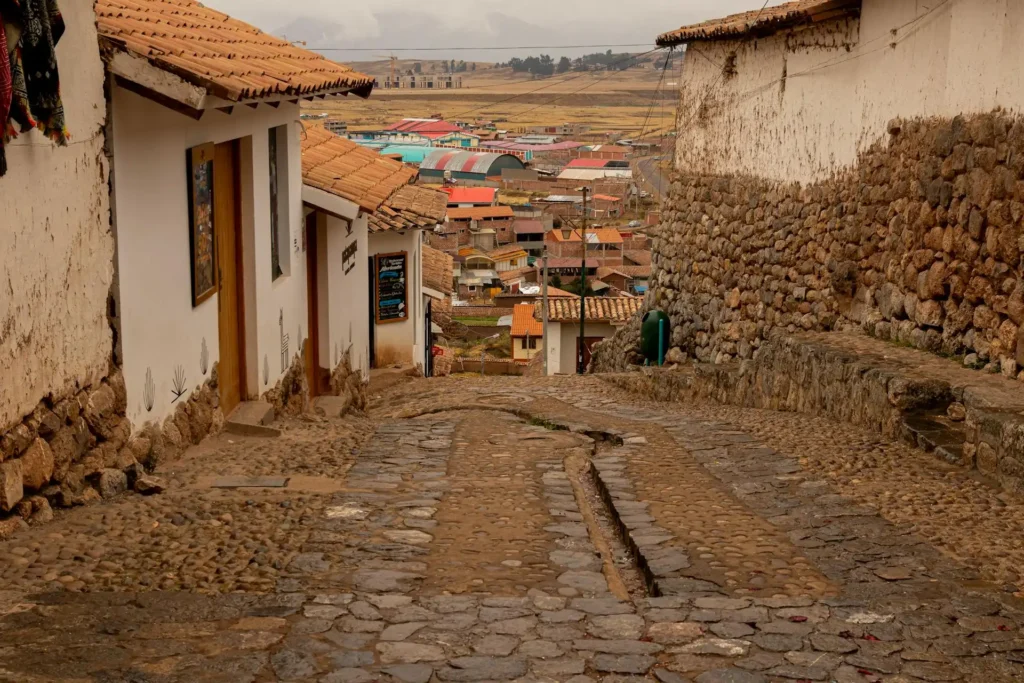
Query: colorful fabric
[37, 102]
[6, 91]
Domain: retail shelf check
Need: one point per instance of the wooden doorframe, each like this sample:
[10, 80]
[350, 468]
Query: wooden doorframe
[313, 307]
[237, 256]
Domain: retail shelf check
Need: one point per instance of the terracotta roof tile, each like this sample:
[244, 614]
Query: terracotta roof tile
[350, 171]
[523, 322]
[437, 270]
[616, 310]
[410, 208]
[762, 22]
[506, 251]
[231, 59]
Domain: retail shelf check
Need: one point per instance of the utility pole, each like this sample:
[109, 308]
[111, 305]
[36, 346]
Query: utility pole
[544, 314]
[581, 368]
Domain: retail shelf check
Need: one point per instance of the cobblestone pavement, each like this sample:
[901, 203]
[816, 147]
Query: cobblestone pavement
[461, 532]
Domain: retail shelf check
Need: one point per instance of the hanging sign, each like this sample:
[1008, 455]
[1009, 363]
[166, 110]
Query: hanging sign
[392, 289]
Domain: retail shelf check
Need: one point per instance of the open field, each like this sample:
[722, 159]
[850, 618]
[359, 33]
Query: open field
[608, 101]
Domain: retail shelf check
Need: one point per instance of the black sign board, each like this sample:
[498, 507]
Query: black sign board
[392, 287]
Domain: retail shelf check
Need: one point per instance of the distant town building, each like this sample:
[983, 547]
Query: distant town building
[337, 127]
[421, 82]
[565, 129]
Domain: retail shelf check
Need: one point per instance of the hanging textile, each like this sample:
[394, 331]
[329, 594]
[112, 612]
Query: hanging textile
[5, 91]
[37, 100]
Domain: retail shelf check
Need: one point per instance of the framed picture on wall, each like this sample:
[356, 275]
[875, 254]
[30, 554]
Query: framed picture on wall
[202, 239]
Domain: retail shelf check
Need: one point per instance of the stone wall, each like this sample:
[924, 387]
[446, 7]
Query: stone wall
[349, 385]
[290, 396]
[966, 419]
[920, 244]
[79, 449]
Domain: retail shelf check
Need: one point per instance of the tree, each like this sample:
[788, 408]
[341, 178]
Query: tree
[564, 64]
[417, 68]
[556, 281]
[472, 67]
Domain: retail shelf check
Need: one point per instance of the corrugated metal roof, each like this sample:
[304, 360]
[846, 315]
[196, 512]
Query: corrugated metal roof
[465, 162]
[471, 195]
[762, 22]
[588, 163]
[594, 173]
[525, 227]
[478, 213]
[519, 147]
[423, 126]
[615, 310]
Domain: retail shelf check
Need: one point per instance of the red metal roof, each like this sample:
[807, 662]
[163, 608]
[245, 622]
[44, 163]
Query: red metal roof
[471, 195]
[424, 126]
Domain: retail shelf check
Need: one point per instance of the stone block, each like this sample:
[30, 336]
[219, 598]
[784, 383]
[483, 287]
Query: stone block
[101, 411]
[112, 483]
[37, 465]
[12, 488]
[987, 459]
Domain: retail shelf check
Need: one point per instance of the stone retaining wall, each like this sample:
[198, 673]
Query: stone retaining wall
[921, 243]
[964, 417]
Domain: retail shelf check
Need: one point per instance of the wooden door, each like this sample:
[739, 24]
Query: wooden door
[588, 348]
[231, 312]
[314, 375]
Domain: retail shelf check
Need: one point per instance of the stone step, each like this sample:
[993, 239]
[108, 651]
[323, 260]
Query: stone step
[252, 418]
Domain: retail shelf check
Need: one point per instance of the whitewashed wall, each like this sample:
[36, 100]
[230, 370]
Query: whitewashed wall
[561, 345]
[55, 237]
[348, 294]
[161, 331]
[965, 57]
[403, 341]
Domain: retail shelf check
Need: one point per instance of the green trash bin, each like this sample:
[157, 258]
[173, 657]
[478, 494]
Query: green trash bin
[655, 335]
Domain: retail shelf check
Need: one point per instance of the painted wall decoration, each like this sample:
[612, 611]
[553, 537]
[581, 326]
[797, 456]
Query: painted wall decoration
[201, 224]
[178, 387]
[266, 370]
[284, 344]
[348, 257]
[149, 391]
[392, 287]
[204, 357]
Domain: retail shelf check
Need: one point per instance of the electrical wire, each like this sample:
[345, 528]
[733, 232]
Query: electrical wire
[655, 98]
[463, 49]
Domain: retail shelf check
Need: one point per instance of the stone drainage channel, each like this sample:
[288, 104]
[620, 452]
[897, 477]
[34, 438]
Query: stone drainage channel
[613, 515]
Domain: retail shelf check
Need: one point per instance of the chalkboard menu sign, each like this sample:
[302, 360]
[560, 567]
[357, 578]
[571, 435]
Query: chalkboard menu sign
[392, 291]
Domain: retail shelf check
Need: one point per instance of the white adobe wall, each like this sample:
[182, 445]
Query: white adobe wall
[55, 237]
[403, 341]
[161, 331]
[963, 58]
[562, 344]
[348, 294]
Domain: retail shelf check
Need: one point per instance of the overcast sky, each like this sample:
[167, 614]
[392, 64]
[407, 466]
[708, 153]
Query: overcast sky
[389, 24]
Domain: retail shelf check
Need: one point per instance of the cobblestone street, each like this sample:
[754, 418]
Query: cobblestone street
[558, 529]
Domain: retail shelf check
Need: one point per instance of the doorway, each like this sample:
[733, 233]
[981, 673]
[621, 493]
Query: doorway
[373, 313]
[588, 349]
[317, 377]
[230, 303]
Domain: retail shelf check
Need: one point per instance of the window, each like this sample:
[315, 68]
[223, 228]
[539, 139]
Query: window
[531, 343]
[277, 159]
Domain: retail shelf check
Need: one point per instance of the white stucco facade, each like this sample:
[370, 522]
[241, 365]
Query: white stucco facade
[162, 333]
[816, 97]
[403, 342]
[345, 298]
[561, 344]
[55, 235]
